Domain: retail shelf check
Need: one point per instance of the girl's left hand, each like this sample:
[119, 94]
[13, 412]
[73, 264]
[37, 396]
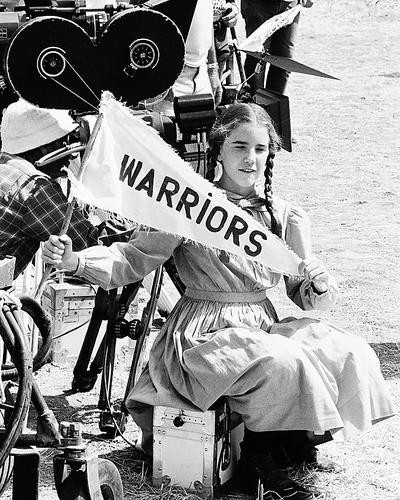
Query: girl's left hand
[314, 270]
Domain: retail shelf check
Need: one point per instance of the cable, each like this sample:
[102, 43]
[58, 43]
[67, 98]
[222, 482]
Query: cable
[16, 345]
[41, 320]
[71, 330]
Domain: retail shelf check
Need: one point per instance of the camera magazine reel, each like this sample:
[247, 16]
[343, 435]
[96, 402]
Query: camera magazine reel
[52, 62]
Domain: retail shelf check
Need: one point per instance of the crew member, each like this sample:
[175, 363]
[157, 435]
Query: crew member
[200, 73]
[281, 43]
[32, 203]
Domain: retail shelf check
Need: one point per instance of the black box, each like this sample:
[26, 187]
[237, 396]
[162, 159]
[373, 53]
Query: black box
[277, 106]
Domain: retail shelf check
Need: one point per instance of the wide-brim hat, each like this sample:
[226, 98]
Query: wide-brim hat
[25, 127]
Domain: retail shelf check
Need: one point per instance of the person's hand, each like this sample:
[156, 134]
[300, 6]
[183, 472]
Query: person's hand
[307, 3]
[314, 270]
[230, 15]
[57, 251]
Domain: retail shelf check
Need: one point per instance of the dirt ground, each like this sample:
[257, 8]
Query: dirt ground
[344, 170]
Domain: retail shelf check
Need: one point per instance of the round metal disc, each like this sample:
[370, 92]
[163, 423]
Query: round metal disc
[143, 53]
[51, 62]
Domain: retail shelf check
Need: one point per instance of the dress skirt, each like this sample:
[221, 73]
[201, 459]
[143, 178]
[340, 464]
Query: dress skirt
[296, 374]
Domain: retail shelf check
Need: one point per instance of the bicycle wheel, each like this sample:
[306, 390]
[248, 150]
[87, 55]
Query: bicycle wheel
[74, 487]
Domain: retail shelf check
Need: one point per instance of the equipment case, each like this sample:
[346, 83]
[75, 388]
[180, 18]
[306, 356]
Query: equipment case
[195, 450]
[70, 306]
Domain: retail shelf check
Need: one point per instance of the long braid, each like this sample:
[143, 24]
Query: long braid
[276, 225]
[212, 155]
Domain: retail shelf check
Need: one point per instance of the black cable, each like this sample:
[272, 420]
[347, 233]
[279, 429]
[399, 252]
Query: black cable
[42, 320]
[15, 342]
[225, 454]
[71, 330]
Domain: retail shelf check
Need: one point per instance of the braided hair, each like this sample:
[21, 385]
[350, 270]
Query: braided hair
[229, 120]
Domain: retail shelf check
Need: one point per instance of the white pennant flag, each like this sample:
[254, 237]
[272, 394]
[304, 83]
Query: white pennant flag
[132, 171]
[255, 42]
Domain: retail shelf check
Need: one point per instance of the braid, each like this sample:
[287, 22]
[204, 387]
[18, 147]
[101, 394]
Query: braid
[276, 225]
[212, 156]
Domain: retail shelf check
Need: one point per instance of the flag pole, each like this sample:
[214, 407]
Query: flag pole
[71, 205]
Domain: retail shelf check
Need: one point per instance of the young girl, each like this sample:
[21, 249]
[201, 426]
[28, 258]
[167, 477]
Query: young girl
[293, 382]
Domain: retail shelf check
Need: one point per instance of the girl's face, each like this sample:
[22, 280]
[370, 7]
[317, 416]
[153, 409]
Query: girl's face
[243, 156]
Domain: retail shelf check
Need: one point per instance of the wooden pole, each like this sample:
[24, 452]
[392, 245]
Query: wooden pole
[72, 203]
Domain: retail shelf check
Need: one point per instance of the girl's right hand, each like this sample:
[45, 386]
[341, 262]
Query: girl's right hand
[307, 3]
[57, 251]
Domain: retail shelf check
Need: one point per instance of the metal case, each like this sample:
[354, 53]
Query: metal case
[70, 306]
[7, 266]
[195, 450]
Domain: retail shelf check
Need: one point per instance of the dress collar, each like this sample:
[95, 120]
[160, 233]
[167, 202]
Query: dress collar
[254, 200]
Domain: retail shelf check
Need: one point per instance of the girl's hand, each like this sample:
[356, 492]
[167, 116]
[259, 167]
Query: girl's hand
[314, 270]
[57, 251]
[306, 3]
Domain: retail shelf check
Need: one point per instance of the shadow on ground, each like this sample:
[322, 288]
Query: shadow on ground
[389, 356]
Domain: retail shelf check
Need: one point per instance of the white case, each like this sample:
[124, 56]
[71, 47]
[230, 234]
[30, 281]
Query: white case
[187, 448]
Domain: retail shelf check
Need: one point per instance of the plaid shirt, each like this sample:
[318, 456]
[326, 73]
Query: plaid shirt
[33, 206]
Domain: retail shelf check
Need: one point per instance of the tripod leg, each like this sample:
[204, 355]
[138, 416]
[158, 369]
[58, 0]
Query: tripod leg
[108, 366]
[85, 379]
[111, 421]
[108, 417]
[146, 322]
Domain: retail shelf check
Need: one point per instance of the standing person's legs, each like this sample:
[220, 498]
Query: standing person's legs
[255, 13]
[281, 44]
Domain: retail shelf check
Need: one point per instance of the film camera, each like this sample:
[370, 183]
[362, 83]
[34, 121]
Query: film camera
[64, 54]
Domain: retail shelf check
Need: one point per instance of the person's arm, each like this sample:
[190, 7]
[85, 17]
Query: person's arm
[116, 265]
[317, 289]
[113, 227]
[45, 211]
[213, 73]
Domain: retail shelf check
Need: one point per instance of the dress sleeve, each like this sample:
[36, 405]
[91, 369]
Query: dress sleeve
[124, 263]
[300, 291]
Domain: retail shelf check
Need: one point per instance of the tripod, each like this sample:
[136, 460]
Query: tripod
[112, 307]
